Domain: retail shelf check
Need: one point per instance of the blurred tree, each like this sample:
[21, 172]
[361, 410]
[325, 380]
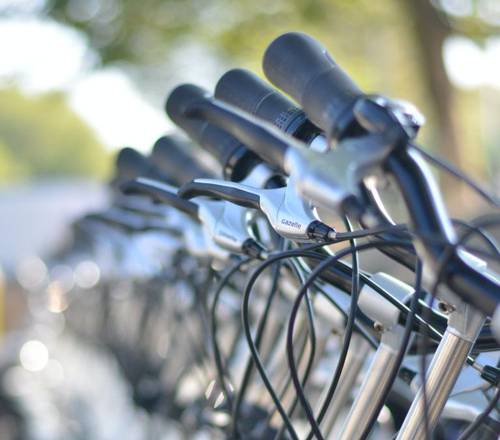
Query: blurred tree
[358, 31]
[42, 136]
[388, 46]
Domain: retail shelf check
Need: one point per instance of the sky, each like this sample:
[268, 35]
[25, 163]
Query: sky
[42, 55]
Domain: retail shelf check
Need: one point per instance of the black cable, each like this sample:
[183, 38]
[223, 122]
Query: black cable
[219, 363]
[312, 352]
[490, 241]
[282, 393]
[254, 346]
[355, 283]
[473, 249]
[255, 359]
[474, 426]
[440, 272]
[486, 220]
[298, 384]
[402, 227]
[358, 327]
[312, 331]
[345, 346]
[454, 171]
[253, 349]
[310, 321]
[423, 344]
[386, 295]
[384, 243]
[314, 274]
[360, 233]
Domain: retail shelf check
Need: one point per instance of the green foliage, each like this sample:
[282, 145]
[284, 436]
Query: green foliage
[42, 136]
[144, 31]
[392, 47]
[10, 168]
[370, 39]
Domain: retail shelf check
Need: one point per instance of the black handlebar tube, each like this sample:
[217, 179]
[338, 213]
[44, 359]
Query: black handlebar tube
[261, 137]
[429, 218]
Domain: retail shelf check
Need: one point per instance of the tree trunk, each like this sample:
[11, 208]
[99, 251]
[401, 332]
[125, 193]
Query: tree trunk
[430, 32]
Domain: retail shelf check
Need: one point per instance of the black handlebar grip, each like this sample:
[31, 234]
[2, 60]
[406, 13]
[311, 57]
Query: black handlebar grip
[175, 158]
[245, 90]
[160, 195]
[175, 106]
[208, 137]
[263, 139]
[301, 66]
[234, 157]
[131, 164]
[233, 195]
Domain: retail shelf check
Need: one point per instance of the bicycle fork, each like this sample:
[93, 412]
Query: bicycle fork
[463, 327]
[378, 376]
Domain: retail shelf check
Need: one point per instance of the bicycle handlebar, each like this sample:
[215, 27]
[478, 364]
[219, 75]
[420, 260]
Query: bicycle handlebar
[262, 138]
[161, 193]
[234, 157]
[299, 65]
[430, 219]
[245, 90]
[237, 196]
[131, 164]
[175, 158]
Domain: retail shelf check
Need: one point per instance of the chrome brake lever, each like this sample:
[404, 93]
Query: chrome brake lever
[226, 224]
[288, 214]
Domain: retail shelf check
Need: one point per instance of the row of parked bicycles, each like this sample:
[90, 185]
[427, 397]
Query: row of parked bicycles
[280, 297]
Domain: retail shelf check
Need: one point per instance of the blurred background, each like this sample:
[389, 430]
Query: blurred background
[82, 78]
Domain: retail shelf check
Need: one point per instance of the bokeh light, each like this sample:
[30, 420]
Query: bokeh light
[31, 272]
[34, 356]
[87, 274]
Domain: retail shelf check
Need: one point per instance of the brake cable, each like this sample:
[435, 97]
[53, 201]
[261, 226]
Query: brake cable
[254, 346]
[314, 274]
[490, 241]
[317, 271]
[481, 417]
[220, 365]
[351, 318]
[347, 337]
[454, 171]
[256, 358]
[310, 318]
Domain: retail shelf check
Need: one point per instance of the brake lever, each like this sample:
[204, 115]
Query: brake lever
[336, 177]
[139, 204]
[127, 220]
[161, 193]
[327, 179]
[227, 225]
[288, 214]
[224, 227]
